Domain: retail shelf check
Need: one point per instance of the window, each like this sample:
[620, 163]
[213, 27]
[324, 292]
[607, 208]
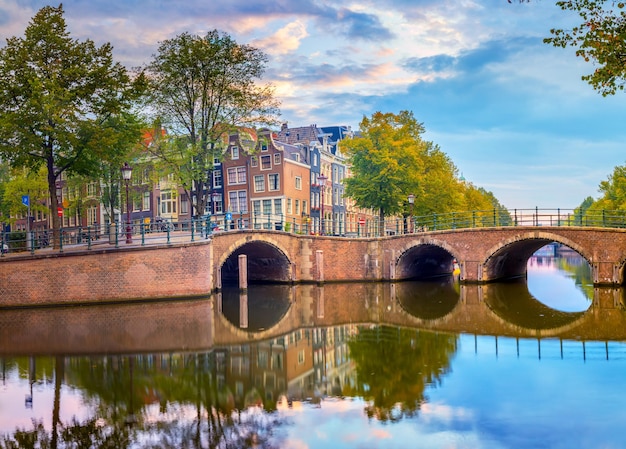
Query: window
[146, 201]
[298, 183]
[276, 158]
[264, 147]
[236, 175]
[234, 152]
[92, 189]
[297, 207]
[238, 201]
[168, 202]
[266, 162]
[254, 161]
[278, 206]
[184, 204]
[267, 207]
[218, 204]
[289, 205]
[217, 178]
[92, 215]
[273, 182]
[259, 183]
[304, 206]
[256, 207]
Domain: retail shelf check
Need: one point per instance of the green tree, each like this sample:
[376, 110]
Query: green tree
[202, 88]
[600, 38]
[66, 105]
[385, 161]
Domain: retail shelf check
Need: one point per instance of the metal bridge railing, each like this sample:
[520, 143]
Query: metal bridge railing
[168, 232]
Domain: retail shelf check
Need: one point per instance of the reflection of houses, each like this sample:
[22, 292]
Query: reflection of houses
[305, 364]
[263, 371]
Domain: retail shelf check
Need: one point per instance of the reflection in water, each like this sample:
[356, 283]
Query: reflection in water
[357, 365]
[428, 300]
[269, 305]
[562, 282]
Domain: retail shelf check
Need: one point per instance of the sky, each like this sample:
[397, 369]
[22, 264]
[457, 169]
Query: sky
[511, 112]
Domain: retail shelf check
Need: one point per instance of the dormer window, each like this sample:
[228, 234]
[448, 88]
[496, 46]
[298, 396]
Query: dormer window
[234, 151]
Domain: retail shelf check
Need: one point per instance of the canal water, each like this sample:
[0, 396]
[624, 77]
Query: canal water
[536, 363]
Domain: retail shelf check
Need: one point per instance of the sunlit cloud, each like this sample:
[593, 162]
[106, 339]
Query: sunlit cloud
[285, 40]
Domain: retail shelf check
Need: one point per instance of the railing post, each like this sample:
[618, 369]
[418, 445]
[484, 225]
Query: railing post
[143, 234]
[434, 222]
[558, 212]
[88, 237]
[117, 237]
[193, 225]
[536, 218]
[167, 229]
[61, 239]
[515, 212]
[495, 218]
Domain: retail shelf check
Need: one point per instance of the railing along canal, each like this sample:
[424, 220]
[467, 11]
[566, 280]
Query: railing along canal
[169, 232]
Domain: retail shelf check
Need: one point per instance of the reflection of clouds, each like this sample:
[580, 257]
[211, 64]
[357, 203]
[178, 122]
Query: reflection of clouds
[443, 412]
[13, 413]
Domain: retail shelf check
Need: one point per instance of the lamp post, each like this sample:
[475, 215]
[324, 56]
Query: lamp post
[321, 179]
[127, 171]
[411, 202]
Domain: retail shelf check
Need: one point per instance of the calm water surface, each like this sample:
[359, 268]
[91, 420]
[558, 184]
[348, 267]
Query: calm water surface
[536, 364]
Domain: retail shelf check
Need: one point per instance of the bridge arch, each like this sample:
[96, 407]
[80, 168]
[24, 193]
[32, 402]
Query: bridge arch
[267, 261]
[509, 258]
[429, 258]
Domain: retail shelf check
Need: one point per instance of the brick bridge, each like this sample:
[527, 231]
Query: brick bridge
[483, 254]
[197, 268]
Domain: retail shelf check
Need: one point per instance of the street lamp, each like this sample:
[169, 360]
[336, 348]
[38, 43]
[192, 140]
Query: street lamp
[321, 179]
[411, 202]
[127, 171]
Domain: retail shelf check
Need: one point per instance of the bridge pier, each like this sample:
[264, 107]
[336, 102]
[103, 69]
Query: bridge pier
[243, 272]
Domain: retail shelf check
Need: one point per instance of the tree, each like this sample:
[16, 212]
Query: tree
[384, 160]
[203, 88]
[600, 38]
[66, 104]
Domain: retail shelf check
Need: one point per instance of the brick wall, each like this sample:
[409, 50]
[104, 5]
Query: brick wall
[107, 275]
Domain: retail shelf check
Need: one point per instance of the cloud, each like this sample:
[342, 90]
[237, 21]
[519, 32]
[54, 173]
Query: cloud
[285, 40]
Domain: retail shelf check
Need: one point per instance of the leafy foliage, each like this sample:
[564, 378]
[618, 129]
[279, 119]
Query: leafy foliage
[390, 160]
[600, 38]
[66, 104]
[202, 88]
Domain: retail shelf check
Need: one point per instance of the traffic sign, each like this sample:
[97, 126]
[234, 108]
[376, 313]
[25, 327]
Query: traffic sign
[26, 200]
[362, 221]
[229, 216]
[60, 211]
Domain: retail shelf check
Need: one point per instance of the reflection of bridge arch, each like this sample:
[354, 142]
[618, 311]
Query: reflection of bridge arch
[267, 261]
[427, 301]
[526, 312]
[255, 310]
[428, 258]
[509, 258]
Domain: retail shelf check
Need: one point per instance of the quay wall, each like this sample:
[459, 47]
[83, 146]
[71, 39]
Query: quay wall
[106, 275]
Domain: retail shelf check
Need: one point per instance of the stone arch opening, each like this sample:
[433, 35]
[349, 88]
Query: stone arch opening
[425, 261]
[510, 261]
[267, 264]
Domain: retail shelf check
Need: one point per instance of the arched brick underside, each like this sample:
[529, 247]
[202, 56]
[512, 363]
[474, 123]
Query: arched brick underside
[513, 303]
[427, 300]
[511, 260]
[266, 264]
[426, 261]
